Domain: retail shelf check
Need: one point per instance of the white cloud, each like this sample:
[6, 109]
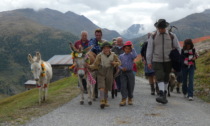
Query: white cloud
[117, 14]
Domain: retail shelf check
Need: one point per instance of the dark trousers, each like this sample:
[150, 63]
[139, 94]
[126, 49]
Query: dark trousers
[117, 79]
[188, 76]
[162, 71]
[127, 84]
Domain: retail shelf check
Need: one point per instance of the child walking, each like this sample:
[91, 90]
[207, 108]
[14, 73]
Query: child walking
[190, 55]
[105, 63]
[127, 77]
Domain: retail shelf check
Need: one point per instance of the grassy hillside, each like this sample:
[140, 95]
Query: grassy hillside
[202, 77]
[19, 108]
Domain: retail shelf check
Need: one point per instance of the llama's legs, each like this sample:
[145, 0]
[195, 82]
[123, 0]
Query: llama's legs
[81, 91]
[45, 92]
[40, 97]
[89, 93]
[92, 88]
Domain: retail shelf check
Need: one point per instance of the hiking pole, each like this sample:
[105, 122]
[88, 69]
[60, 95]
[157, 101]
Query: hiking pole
[171, 27]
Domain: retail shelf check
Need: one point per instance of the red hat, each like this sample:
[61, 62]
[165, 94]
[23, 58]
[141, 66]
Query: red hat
[128, 43]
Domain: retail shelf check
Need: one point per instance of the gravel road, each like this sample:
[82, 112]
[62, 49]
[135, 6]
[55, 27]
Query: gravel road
[145, 112]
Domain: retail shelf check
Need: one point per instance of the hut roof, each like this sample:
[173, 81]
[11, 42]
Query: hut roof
[30, 82]
[62, 60]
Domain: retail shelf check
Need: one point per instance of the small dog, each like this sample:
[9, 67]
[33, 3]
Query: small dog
[172, 83]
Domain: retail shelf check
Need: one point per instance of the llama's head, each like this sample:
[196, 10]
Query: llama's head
[80, 58]
[36, 67]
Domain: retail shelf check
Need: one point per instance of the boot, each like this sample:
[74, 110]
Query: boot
[123, 102]
[157, 88]
[130, 101]
[152, 89]
[177, 90]
[106, 103]
[165, 98]
[162, 98]
[102, 104]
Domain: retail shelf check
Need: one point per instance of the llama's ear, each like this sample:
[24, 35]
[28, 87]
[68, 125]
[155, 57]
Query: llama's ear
[30, 59]
[72, 47]
[88, 49]
[38, 55]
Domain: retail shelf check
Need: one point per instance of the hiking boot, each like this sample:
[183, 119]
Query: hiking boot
[152, 89]
[162, 98]
[177, 90]
[102, 104]
[130, 101]
[123, 102]
[106, 103]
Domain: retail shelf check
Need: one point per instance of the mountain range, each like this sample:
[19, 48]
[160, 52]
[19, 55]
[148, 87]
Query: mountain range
[134, 31]
[69, 21]
[193, 26]
[25, 31]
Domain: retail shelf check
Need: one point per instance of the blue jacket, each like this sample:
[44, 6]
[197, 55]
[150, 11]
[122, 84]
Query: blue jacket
[96, 47]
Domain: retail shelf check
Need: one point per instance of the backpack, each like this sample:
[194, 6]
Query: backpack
[175, 56]
[176, 60]
[144, 49]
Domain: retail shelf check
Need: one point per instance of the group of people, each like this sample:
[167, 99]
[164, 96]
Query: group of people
[119, 57]
[158, 64]
[111, 59]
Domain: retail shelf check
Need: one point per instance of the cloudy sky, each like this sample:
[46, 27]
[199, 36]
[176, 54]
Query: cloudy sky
[117, 14]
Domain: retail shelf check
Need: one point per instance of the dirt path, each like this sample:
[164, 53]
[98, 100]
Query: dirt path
[145, 112]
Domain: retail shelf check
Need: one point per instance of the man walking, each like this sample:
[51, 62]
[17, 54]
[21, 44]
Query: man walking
[160, 44]
[96, 43]
[118, 50]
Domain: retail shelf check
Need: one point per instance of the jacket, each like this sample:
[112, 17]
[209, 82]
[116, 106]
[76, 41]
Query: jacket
[159, 48]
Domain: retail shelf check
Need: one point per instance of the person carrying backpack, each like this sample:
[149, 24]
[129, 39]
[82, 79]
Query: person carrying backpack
[160, 45]
[149, 73]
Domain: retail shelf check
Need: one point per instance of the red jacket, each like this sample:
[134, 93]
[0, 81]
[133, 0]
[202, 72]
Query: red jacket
[79, 42]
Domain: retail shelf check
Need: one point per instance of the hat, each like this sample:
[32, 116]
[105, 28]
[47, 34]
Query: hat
[128, 43]
[161, 23]
[104, 44]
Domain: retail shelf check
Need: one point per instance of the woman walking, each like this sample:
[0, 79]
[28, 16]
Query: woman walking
[190, 55]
